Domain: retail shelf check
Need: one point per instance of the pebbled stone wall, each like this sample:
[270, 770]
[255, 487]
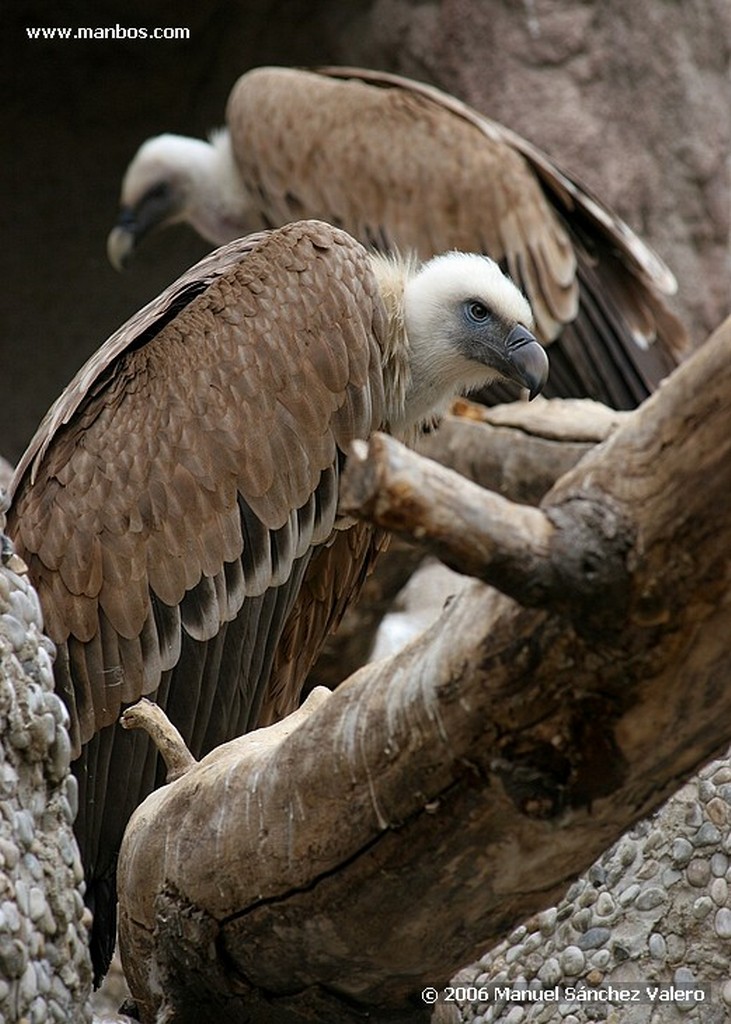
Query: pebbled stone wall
[654, 909]
[45, 972]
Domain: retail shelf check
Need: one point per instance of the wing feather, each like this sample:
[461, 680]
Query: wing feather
[419, 177]
[167, 626]
[335, 573]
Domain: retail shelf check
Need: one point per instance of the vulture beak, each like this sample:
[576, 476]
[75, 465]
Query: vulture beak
[158, 206]
[527, 360]
[122, 240]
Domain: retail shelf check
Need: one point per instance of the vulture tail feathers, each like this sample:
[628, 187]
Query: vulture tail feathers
[217, 697]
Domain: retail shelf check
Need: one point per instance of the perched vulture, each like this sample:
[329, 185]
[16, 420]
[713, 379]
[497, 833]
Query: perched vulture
[177, 506]
[403, 166]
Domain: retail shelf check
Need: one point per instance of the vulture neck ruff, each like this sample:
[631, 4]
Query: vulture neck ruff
[392, 274]
[226, 195]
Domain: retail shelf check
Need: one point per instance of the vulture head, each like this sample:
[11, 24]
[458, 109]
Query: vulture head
[174, 179]
[464, 324]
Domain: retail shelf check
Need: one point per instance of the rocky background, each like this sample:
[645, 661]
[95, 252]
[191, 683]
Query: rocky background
[652, 914]
[632, 97]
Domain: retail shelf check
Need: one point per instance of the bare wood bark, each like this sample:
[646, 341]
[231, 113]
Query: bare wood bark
[340, 861]
[171, 745]
[518, 450]
[472, 530]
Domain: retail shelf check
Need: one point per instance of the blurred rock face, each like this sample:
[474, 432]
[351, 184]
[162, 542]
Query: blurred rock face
[632, 98]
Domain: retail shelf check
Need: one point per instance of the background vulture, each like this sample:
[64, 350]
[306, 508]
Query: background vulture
[177, 506]
[403, 166]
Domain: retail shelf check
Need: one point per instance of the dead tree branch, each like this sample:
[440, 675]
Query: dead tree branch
[171, 745]
[541, 557]
[517, 450]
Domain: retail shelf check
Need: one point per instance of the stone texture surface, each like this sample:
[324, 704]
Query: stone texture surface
[45, 973]
[654, 909]
[632, 97]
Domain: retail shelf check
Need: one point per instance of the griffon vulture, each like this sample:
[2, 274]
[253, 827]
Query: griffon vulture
[177, 506]
[401, 165]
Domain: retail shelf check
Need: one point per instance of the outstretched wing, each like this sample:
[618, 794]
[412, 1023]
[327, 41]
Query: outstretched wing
[401, 165]
[170, 504]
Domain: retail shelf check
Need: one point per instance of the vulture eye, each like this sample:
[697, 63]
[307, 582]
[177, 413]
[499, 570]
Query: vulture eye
[160, 191]
[477, 312]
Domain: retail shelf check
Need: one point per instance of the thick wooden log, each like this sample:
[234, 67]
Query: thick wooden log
[519, 450]
[332, 866]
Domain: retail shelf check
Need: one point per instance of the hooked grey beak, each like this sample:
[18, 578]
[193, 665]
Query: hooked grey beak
[528, 360]
[121, 240]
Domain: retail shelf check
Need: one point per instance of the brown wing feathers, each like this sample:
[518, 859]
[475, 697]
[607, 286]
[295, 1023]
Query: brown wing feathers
[200, 421]
[401, 165]
[335, 572]
[180, 488]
